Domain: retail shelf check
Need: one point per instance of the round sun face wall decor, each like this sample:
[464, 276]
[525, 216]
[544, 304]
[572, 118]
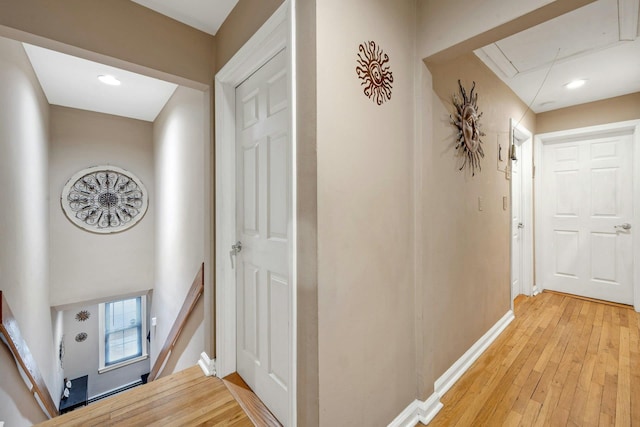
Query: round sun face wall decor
[466, 119]
[104, 199]
[374, 71]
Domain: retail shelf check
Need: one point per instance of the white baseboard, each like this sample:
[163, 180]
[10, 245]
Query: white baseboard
[453, 374]
[418, 411]
[207, 365]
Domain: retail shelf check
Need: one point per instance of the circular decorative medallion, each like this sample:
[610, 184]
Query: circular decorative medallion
[104, 199]
[374, 72]
[82, 315]
[467, 119]
[81, 337]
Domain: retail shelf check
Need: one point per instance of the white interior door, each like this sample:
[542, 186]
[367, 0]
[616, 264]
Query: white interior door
[517, 223]
[263, 177]
[587, 203]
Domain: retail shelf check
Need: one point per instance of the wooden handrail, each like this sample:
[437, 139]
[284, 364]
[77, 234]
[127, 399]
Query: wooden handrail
[195, 292]
[22, 355]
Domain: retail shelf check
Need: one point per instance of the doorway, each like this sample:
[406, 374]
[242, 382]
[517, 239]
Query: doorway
[521, 168]
[586, 211]
[240, 105]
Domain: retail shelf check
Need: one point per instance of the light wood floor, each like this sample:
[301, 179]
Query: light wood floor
[187, 398]
[564, 361]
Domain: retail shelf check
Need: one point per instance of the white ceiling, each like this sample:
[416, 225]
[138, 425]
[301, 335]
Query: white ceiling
[598, 42]
[73, 82]
[205, 15]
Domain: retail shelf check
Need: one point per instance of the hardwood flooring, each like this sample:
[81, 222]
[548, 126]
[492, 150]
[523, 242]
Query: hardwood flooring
[187, 398]
[252, 405]
[563, 361]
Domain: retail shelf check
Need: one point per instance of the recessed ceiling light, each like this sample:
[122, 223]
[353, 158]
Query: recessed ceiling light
[575, 84]
[109, 80]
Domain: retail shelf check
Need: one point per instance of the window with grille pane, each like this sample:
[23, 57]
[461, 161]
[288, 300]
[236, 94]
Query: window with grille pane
[123, 330]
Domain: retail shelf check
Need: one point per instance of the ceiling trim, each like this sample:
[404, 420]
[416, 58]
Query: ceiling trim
[628, 19]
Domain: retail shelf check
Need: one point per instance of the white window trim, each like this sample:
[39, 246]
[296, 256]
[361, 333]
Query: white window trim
[145, 354]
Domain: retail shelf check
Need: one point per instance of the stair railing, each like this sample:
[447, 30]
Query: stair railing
[24, 359]
[195, 292]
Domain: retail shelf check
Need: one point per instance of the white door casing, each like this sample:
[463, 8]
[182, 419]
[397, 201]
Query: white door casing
[587, 179]
[274, 36]
[262, 219]
[517, 223]
[522, 212]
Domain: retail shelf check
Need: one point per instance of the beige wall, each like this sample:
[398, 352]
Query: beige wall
[618, 109]
[24, 232]
[88, 266]
[307, 216]
[179, 158]
[243, 21]
[365, 217]
[465, 265]
[117, 29]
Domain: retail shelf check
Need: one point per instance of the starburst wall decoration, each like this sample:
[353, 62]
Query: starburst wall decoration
[82, 315]
[374, 71]
[466, 120]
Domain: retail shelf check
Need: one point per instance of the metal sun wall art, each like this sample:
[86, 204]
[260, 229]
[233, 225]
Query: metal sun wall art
[82, 315]
[104, 199]
[466, 119]
[375, 73]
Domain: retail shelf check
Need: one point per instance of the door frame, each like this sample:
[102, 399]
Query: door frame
[276, 33]
[631, 127]
[527, 285]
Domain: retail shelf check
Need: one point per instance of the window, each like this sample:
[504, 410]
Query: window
[122, 332]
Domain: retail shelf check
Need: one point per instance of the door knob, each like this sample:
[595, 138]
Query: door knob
[626, 226]
[235, 249]
[520, 225]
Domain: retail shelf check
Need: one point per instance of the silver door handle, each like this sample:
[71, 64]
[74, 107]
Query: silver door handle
[235, 249]
[625, 226]
[520, 225]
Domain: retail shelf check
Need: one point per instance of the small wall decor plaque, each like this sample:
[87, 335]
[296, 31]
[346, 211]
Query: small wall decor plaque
[104, 199]
[466, 119]
[61, 351]
[81, 337]
[374, 71]
[82, 315]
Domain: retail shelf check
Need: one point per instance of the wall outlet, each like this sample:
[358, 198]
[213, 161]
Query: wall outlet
[154, 322]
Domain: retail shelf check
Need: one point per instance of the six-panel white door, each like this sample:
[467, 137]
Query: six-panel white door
[263, 220]
[587, 196]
